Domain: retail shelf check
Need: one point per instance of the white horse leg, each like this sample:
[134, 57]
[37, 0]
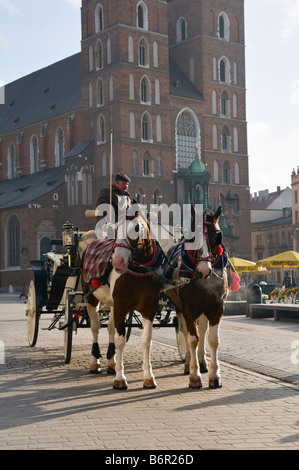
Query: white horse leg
[194, 377]
[214, 371]
[148, 376]
[95, 328]
[111, 346]
[202, 325]
[120, 381]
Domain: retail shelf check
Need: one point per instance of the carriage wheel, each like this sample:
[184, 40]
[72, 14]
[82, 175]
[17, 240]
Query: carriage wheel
[180, 339]
[68, 330]
[33, 313]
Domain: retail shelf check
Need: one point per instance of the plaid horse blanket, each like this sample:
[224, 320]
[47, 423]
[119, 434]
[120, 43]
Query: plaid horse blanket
[96, 259]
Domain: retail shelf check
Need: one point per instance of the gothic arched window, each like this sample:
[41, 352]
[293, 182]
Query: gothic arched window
[13, 242]
[186, 139]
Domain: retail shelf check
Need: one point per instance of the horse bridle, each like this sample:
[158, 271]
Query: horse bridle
[206, 229]
[126, 244]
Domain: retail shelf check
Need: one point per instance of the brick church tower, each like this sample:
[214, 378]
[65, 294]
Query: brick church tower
[163, 85]
[157, 92]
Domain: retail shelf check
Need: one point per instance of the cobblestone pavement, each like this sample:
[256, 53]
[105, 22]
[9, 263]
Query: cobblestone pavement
[46, 404]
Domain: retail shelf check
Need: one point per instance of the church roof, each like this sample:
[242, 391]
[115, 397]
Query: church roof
[41, 95]
[180, 85]
[21, 191]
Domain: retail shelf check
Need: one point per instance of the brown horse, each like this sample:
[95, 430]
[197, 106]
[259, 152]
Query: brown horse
[131, 286]
[201, 302]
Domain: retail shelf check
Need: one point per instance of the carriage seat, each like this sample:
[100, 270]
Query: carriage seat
[64, 277]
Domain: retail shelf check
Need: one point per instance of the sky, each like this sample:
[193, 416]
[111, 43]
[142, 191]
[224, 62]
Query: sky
[37, 33]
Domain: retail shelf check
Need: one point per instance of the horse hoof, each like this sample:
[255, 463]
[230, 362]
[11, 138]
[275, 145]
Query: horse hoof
[149, 384]
[215, 383]
[203, 368]
[186, 369]
[111, 370]
[120, 385]
[195, 382]
[95, 369]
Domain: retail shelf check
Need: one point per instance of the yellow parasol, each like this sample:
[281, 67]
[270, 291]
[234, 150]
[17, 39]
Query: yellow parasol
[243, 265]
[287, 259]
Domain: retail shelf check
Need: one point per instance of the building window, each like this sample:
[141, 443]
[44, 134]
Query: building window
[223, 27]
[132, 125]
[147, 166]
[100, 92]
[145, 95]
[90, 101]
[90, 57]
[225, 140]
[226, 173]
[99, 55]
[181, 30]
[59, 148]
[159, 165]
[14, 242]
[237, 173]
[134, 163]
[187, 132]
[216, 171]
[142, 16]
[34, 164]
[101, 130]
[146, 127]
[130, 49]
[99, 24]
[224, 104]
[224, 70]
[11, 162]
[143, 53]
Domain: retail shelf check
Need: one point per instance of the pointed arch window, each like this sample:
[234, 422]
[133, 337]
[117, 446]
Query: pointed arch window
[34, 163]
[145, 95]
[146, 127]
[142, 16]
[99, 23]
[143, 53]
[148, 169]
[134, 163]
[181, 30]
[11, 160]
[187, 131]
[99, 55]
[226, 173]
[13, 242]
[100, 92]
[59, 148]
[101, 130]
[223, 26]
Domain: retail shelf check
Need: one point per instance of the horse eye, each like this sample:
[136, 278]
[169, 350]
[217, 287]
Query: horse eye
[137, 228]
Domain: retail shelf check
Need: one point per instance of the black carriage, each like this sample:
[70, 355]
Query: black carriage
[56, 290]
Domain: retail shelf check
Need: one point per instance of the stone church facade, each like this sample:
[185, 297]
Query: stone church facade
[157, 92]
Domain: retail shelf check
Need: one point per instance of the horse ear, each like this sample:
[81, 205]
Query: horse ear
[217, 213]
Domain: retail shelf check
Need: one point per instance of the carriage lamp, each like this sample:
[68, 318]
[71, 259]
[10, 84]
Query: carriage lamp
[68, 239]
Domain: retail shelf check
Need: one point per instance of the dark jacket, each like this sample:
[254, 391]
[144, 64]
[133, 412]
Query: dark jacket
[104, 198]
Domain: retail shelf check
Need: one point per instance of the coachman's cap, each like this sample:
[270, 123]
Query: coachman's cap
[122, 177]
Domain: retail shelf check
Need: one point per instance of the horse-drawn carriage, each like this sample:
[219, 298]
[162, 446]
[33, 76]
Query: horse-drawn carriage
[56, 290]
[197, 285]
